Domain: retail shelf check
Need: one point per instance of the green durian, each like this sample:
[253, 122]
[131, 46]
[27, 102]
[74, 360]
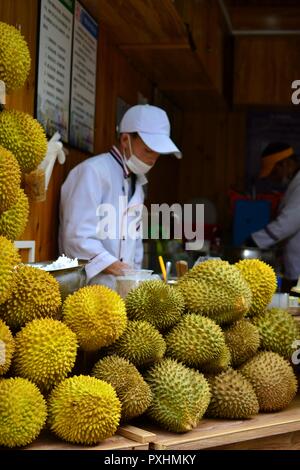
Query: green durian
[232, 396]
[9, 259]
[96, 314]
[36, 295]
[195, 340]
[23, 412]
[84, 410]
[7, 347]
[14, 220]
[278, 330]
[141, 344]
[155, 302]
[15, 58]
[262, 281]
[273, 380]
[45, 352]
[216, 289]
[243, 341]
[132, 390]
[180, 395]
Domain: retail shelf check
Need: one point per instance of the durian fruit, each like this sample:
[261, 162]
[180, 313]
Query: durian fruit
[273, 380]
[216, 289]
[36, 295]
[195, 340]
[14, 57]
[45, 352]
[10, 179]
[23, 412]
[155, 302]
[84, 410]
[96, 314]
[278, 330]
[141, 344]
[219, 364]
[14, 220]
[7, 347]
[24, 137]
[232, 396]
[9, 258]
[180, 396]
[243, 341]
[262, 281]
[132, 390]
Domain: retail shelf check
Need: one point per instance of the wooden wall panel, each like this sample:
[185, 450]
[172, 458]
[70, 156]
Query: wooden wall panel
[265, 68]
[214, 157]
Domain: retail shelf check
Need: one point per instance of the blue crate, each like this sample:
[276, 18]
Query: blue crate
[249, 216]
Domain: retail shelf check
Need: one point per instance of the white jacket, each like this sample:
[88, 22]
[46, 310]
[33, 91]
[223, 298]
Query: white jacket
[96, 181]
[285, 227]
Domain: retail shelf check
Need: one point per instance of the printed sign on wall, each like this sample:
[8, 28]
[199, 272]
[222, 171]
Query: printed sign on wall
[83, 87]
[54, 66]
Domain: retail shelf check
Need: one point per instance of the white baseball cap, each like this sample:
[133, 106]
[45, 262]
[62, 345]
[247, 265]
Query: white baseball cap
[152, 125]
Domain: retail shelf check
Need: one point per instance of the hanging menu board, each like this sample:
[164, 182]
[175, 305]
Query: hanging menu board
[67, 63]
[83, 85]
[54, 66]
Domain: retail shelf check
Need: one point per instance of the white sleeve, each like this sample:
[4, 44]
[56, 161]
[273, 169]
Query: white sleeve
[81, 194]
[286, 224]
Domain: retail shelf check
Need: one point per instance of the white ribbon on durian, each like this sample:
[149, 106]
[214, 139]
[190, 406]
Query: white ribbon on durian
[55, 150]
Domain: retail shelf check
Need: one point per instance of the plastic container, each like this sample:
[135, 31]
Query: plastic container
[131, 279]
[280, 301]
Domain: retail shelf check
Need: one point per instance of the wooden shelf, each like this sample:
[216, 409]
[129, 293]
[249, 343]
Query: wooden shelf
[127, 438]
[279, 430]
[266, 430]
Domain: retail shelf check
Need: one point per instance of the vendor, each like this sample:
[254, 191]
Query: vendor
[280, 164]
[113, 180]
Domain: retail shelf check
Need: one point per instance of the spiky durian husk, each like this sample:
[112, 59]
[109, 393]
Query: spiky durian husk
[243, 341]
[10, 179]
[7, 347]
[180, 395]
[141, 344]
[155, 302]
[278, 331]
[9, 258]
[36, 295]
[14, 57]
[84, 410]
[262, 281]
[195, 340]
[216, 289]
[45, 352]
[23, 412]
[273, 380]
[132, 390]
[232, 396]
[96, 314]
[219, 364]
[24, 137]
[14, 220]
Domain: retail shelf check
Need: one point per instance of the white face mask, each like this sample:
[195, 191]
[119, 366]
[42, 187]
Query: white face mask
[135, 164]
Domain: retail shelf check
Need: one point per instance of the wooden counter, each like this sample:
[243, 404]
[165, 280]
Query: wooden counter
[127, 438]
[279, 430]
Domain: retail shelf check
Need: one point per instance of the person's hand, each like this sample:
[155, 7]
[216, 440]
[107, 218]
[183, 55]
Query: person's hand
[116, 268]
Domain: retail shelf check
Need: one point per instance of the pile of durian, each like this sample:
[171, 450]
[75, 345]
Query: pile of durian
[23, 142]
[205, 347]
